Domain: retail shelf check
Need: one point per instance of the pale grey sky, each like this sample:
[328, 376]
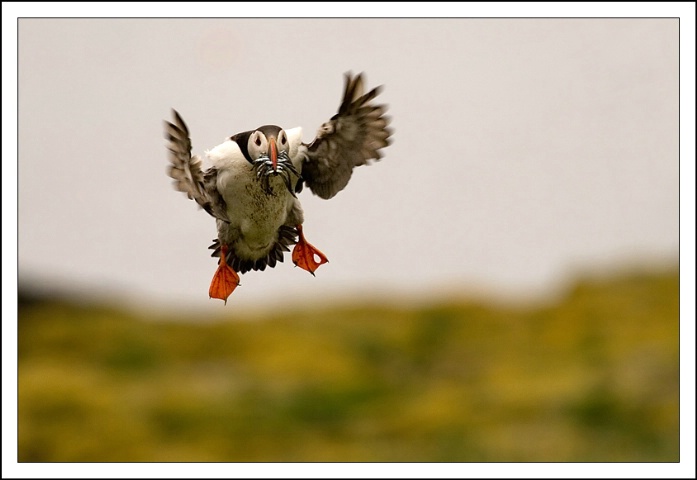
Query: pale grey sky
[524, 149]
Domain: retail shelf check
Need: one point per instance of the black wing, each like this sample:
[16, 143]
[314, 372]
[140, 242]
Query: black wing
[186, 170]
[350, 138]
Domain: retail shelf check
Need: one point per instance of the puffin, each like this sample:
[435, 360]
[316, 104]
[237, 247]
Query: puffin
[252, 185]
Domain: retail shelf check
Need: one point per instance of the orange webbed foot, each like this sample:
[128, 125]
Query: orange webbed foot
[225, 279]
[307, 256]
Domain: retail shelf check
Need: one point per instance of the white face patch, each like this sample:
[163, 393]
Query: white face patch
[257, 145]
[282, 142]
[295, 137]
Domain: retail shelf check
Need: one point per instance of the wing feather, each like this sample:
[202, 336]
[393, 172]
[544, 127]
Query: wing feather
[186, 170]
[349, 139]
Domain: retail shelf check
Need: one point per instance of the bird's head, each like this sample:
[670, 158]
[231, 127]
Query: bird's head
[267, 142]
[267, 149]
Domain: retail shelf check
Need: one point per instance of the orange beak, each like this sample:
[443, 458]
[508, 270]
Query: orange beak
[273, 153]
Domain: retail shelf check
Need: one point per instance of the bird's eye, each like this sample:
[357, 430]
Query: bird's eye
[283, 139]
[257, 141]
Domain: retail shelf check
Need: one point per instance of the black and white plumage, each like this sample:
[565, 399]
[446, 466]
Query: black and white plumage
[252, 184]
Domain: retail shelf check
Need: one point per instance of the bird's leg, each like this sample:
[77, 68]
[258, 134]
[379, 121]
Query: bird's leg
[305, 255]
[225, 279]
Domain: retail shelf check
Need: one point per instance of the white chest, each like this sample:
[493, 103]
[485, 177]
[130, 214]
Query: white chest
[255, 212]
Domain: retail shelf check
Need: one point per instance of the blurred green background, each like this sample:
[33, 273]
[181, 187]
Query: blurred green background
[592, 377]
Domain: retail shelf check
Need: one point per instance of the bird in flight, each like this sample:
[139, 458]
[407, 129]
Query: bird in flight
[255, 176]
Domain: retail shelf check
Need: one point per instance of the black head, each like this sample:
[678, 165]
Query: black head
[267, 149]
[258, 143]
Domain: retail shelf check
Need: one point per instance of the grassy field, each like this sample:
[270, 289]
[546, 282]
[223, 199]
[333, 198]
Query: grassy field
[591, 378]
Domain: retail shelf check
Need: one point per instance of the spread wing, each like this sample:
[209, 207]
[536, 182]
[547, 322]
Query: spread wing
[350, 138]
[186, 170]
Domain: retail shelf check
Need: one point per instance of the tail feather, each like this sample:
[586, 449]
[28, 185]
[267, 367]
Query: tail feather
[287, 236]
